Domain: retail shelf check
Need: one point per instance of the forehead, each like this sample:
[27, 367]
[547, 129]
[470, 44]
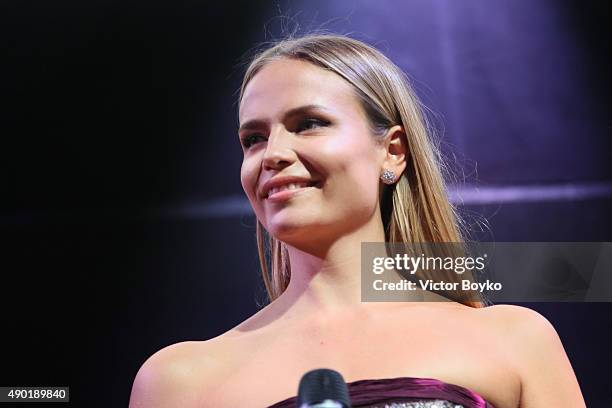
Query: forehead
[285, 84]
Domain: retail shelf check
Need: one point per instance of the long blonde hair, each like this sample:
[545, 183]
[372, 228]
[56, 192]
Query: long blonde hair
[414, 209]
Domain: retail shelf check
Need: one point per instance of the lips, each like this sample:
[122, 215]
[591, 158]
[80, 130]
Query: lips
[285, 195]
[290, 186]
[285, 183]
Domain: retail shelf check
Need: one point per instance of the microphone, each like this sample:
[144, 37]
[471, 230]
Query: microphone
[323, 388]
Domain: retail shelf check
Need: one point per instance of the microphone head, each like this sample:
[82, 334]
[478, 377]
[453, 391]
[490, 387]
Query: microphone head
[321, 385]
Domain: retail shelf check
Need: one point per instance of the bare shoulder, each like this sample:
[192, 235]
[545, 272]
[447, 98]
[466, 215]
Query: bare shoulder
[523, 327]
[513, 317]
[522, 330]
[177, 375]
[547, 377]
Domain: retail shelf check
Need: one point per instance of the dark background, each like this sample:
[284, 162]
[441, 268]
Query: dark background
[123, 213]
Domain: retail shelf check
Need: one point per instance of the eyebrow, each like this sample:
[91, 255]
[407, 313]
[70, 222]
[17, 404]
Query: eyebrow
[258, 123]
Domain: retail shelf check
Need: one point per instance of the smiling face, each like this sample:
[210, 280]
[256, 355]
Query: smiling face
[300, 120]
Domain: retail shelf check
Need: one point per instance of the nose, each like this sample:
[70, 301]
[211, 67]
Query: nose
[279, 152]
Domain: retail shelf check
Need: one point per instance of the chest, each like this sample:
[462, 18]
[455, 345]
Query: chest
[268, 370]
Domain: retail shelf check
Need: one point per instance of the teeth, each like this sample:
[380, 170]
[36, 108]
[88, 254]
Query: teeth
[290, 186]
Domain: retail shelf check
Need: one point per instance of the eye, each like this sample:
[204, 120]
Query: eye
[305, 124]
[249, 140]
[311, 123]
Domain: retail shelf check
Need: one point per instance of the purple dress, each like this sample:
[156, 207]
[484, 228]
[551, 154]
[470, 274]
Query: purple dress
[406, 392]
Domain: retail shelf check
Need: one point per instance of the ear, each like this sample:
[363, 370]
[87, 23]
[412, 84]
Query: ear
[396, 151]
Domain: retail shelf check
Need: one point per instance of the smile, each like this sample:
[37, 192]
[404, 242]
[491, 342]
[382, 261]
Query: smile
[285, 192]
[290, 186]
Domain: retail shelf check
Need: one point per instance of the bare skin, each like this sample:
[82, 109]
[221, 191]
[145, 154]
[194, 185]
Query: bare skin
[424, 340]
[510, 355]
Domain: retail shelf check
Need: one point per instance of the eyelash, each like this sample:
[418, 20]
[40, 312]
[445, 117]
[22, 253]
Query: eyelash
[246, 141]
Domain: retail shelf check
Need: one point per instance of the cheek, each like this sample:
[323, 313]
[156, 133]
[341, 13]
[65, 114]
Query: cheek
[362, 183]
[354, 158]
[248, 178]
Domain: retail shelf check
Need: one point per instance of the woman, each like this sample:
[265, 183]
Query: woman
[336, 153]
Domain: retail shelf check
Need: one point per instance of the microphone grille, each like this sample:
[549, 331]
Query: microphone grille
[323, 384]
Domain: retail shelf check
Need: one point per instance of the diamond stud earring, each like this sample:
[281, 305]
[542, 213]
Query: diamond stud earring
[388, 177]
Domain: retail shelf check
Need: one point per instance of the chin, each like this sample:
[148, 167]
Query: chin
[284, 232]
[295, 234]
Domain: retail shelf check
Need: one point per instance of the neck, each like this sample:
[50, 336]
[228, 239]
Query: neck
[326, 282]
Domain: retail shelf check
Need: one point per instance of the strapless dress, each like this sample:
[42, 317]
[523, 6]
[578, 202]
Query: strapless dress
[406, 392]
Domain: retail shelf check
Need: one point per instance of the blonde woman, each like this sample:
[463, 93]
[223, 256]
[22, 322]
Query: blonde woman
[336, 153]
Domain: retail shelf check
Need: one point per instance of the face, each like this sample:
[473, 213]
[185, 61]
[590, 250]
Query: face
[299, 120]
